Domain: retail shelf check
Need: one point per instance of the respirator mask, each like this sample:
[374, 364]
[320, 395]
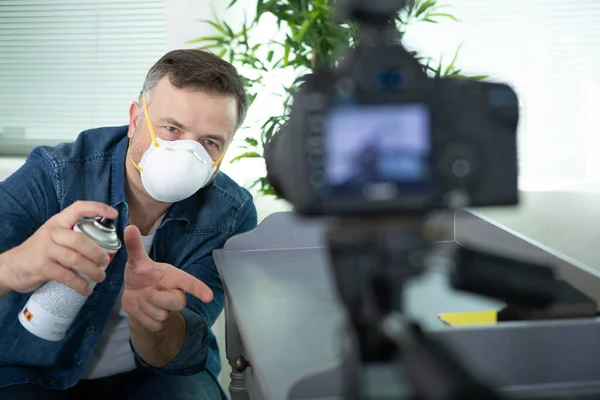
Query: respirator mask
[172, 171]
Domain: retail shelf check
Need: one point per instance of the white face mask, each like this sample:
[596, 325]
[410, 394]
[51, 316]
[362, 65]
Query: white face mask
[172, 171]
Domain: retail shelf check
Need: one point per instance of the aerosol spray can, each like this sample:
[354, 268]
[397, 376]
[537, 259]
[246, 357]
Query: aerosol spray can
[53, 306]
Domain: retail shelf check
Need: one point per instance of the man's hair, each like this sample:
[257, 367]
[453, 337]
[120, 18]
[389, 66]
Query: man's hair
[202, 71]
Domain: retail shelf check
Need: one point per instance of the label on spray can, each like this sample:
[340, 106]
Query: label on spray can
[52, 308]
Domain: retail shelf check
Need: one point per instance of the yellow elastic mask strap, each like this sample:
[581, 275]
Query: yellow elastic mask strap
[133, 162]
[150, 127]
[220, 157]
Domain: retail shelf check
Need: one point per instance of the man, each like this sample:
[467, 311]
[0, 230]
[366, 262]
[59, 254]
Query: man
[144, 331]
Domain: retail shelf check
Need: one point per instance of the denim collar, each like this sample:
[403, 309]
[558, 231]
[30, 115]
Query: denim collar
[118, 188]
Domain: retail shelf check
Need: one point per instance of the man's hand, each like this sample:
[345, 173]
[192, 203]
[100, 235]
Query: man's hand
[155, 291]
[54, 252]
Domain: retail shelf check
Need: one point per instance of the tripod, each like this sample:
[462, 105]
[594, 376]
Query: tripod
[372, 260]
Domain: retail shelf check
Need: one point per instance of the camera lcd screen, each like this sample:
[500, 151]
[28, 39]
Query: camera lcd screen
[378, 151]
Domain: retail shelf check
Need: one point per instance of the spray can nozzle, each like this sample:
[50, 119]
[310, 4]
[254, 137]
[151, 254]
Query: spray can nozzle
[105, 222]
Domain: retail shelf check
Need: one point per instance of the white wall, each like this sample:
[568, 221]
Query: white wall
[549, 51]
[8, 165]
[183, 21]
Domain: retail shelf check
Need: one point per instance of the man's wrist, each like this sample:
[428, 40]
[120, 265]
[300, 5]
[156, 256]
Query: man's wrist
[158, 348]
[135, 326]
[3, 271]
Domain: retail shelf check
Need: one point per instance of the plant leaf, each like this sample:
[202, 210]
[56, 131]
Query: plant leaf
[255, 183]
[245, 29]
[452, 66]
[446, 15]
[411, 7]
[268, 134]
[438, 71]
[215, 25]
[231, 4]
[229, 30]
[478, 77]
[424, 7]
[251, 141]
[286, 55]
[251, 98]
[248, 154]
[300, 34]
[211, 46]
[259, 9]
[214, 38]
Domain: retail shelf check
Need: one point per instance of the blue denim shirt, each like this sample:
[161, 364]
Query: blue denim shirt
[93, 168]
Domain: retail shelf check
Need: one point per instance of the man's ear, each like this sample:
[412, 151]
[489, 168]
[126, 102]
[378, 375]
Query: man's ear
[134, 118]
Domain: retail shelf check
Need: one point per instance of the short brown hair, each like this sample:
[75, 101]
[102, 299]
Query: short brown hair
[203, 71]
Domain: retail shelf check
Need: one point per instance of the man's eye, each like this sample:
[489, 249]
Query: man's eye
[172, 129]
[211, 143]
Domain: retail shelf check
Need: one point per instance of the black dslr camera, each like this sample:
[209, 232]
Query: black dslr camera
[378, 145]
[377, 135]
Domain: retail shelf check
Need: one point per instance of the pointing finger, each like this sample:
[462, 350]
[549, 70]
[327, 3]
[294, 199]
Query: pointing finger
[172, 300]
[175, 278]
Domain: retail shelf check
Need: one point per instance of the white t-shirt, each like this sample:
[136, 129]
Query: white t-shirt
[112, 354]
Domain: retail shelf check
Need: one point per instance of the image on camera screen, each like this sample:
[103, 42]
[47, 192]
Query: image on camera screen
[378, 150]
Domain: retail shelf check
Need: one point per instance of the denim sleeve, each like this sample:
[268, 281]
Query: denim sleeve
[28, 199]
[199, 317]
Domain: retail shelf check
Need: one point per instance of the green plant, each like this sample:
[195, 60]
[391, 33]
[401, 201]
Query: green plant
[309, 39]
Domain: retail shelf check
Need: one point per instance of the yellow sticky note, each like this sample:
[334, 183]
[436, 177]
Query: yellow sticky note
[470, 318]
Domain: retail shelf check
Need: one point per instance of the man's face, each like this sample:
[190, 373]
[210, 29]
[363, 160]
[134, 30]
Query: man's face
[178, 114]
